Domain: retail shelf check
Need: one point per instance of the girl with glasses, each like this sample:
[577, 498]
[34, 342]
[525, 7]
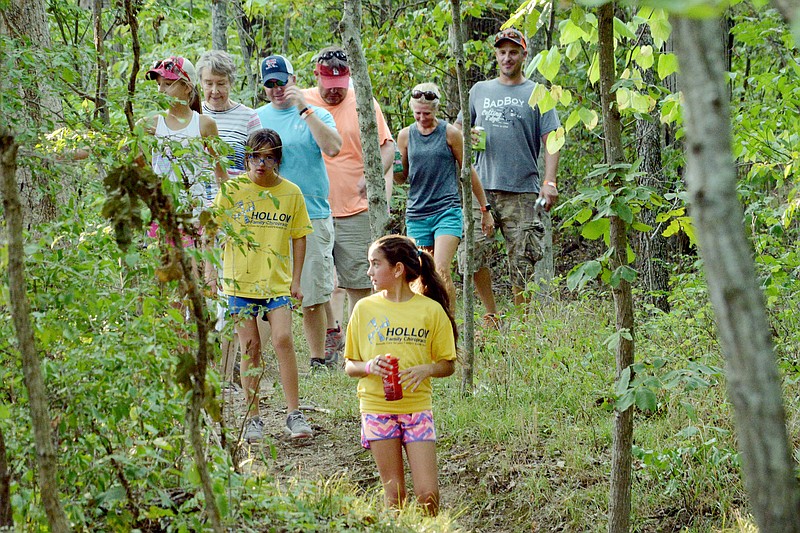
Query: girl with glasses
[432, 151]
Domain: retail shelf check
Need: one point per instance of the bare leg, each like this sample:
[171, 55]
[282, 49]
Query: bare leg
[483, 284]
[247, 330]
[424, 473]
[335, 308]
[280, 320]
[314, 328]
[443, 252]
[354, 295]
[388, 456]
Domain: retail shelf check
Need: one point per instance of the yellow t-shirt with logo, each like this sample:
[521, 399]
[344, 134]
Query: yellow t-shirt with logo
[260, 264]
[416, 331]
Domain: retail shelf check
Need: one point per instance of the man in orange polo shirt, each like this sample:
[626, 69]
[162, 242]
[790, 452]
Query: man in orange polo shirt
[348, 192]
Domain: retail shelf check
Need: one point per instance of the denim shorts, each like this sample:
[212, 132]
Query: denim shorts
[426, 230]
[255, 307]
[411, 427]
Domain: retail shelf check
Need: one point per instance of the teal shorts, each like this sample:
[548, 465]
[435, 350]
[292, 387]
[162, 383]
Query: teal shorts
[426, 230]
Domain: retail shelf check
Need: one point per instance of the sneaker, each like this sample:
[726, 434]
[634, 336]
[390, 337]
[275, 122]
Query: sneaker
[297, 427]
[334, 344]
[317, 364]
[492, 321]
[254, 431]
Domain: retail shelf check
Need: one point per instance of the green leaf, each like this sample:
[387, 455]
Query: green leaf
[644, 57]
[646, 400]
[555, 140]
[588, 117]
[573, 119]
[660, 28]
[622, 383]
[691, 412]
[546, 103]
[551, 62]
[571, 32]
[624, 402]
[667, 64]
[5, 412]
[622, 30]
[583, 273]
[595, 229]
[537, 94]
[594, 70]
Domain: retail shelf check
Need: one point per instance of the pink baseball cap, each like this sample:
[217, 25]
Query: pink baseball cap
[173, 68]
[333, 77]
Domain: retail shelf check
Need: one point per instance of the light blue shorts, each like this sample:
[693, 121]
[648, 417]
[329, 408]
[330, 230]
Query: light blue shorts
[426, 230]
[255, 307]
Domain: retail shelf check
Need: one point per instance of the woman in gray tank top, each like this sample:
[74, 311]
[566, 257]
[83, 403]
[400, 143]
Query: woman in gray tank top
[431, 152]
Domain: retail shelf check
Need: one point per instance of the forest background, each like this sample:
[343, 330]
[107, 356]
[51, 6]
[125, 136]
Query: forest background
[527, 444]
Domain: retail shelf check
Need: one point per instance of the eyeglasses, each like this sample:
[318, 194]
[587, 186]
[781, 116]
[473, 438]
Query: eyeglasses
[330, 54]
[268, 160]
[429, 95]
[171, 65]
[271, 84]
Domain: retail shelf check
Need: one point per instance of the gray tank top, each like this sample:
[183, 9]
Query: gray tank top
[432, 173]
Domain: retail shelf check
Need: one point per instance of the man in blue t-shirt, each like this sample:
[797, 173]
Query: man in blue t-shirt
[515, 135]
[306, 133]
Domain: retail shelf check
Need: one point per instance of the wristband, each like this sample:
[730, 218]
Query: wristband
[368, 368]
[303, 111]
[306, 113]
[486, 208]
[552, 184]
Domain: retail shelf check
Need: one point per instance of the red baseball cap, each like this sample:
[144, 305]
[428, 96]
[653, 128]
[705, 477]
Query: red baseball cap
[513, 35]
[333, 77]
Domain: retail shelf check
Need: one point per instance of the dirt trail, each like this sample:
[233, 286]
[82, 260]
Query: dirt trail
[335, 452]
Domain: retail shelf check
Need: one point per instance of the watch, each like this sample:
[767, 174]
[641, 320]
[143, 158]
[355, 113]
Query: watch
[486, 208]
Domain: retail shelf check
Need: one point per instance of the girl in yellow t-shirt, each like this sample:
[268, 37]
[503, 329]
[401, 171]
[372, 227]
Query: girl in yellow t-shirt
[415, 326]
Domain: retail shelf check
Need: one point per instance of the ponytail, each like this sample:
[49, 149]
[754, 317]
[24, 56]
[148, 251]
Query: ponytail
[194, 101]
[432, 285]
[420, 269]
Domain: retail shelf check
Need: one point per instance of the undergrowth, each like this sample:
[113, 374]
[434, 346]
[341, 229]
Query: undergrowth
[527, 448]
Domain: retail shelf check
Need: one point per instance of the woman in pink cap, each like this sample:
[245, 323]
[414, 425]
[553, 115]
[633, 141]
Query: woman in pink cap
[177, 78]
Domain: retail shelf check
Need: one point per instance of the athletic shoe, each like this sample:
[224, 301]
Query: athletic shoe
[492, 321]
[297, 427]
[334, 343]
[254, 431]
[317, 364]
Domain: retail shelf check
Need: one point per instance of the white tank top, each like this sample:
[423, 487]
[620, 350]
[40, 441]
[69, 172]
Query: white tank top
[189, 169]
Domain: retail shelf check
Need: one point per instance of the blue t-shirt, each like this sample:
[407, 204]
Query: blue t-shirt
[302, 162]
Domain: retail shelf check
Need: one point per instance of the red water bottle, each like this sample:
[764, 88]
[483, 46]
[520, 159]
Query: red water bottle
[392, 390]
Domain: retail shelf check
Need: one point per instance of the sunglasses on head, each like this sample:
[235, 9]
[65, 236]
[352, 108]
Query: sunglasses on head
[429, 95]
[509, 34]
[271, 84]
[330, 54]
[171, 65]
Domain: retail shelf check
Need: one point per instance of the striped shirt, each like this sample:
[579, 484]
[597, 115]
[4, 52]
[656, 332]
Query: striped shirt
[235, 125]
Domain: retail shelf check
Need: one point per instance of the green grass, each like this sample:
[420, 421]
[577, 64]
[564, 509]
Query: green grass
[527, 448]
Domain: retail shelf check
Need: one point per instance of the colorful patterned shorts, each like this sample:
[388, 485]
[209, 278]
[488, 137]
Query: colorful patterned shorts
[412, 427]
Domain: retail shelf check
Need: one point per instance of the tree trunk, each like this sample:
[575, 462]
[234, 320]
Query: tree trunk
[468, 338]
[652, 249]
[101, 66]
[619, 500]
[20, 310]
[247, 43]
[27, 19]
[373, 167]
[753, 382]
[6, 516]
[219, 24]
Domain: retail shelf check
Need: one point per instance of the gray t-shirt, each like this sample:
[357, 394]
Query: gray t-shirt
[513, 135]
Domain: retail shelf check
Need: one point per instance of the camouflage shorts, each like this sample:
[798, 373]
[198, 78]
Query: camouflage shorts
[516, 217]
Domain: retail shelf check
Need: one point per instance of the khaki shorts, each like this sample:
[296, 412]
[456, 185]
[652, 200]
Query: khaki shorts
[316, 281]
[350, 249]
[517, 218]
